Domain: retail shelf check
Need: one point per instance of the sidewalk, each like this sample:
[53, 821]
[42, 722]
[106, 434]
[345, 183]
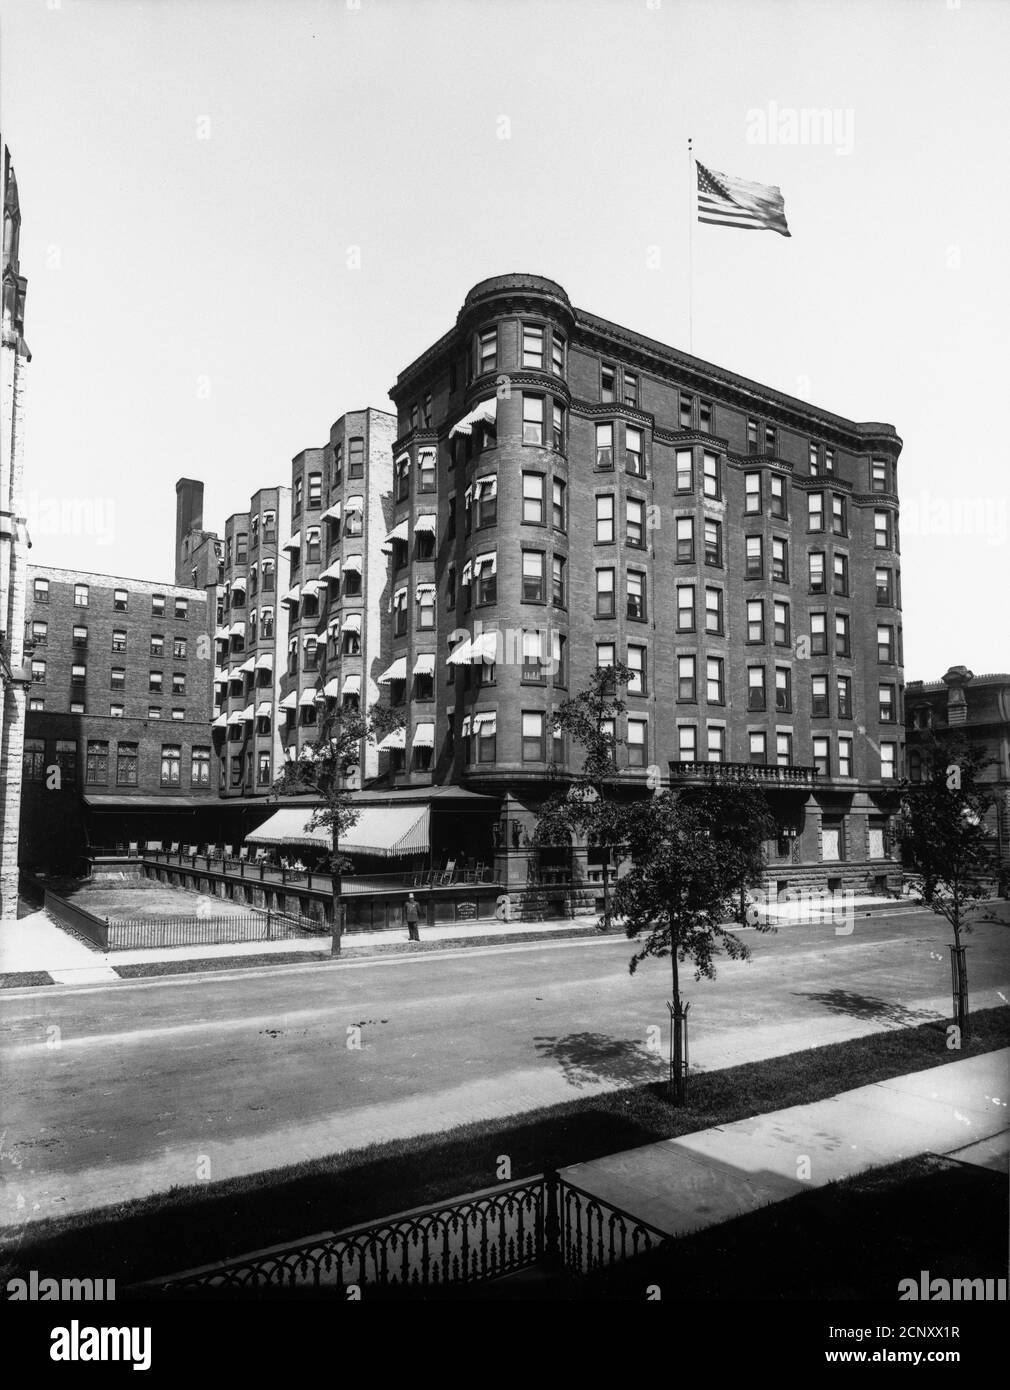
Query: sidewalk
[37, 948]
[698, 1180]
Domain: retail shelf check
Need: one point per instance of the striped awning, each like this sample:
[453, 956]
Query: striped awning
[352, 622]
[220, 722]
[424, 736]
[487, 561]
[486, 487]
[484, 414]
[311, 587]
[308, 696]
[425, 664]
[237, 630]
[384, 831]
[265, 662]
[398, 533]
[248, 666]
[427, 521]
[352, 562]
[332, 688]
[294, 543]
[331, 513]
[264, 710]
[352, 685]
[396, 672]
[356, 503]
[290, 700]
[331, 571]
[248, 714]
[292, 595]
[396, 739]
[487, 722]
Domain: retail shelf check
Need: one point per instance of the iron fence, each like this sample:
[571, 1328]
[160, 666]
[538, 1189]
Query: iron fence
[139, 933]
[542, 1221]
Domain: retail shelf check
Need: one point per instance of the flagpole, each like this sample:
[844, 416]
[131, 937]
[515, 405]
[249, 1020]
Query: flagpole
[690, 243]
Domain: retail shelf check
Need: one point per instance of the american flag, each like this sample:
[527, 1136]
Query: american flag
[725, 201]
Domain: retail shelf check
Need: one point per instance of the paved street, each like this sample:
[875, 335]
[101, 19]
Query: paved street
[114, 1091]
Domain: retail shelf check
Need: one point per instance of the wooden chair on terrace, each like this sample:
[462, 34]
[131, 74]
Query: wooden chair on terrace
[134, 850]
[174, 847]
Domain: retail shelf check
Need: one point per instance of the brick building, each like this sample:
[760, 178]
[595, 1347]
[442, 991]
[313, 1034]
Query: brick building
[979, 708]
[568, 492]
[14, 359]
[117, 746]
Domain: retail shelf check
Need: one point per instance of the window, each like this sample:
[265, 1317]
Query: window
[558, 427]
[685, 539]
[713, 611]
[819, 704]
[296, 503]
[315, 493]
[96, 763]
[40, 631]
[757, 748]
[686, 411]
[179, 646]
[822, 757]
[636, 595]
[687, 743]
[605, 445]
[157, 605]
[33, 760]
[756, 698]
[715, 688]
[157, 644]
[533, 346]
[533, 497]
[425, 470]
[843, 697]
[242, 546]
[558, 645]
[487, 351]
[882, 580]
[533, 576]
[685, 471]
[76, 707]
[783, 750]
[881, 530]
[117, 678]
[840, 575]
[80, 595]
[637, 742]
[878, 475]
[716, 743]
[120, 599]
[486, 738]
[885, 642]
[710, 470]
[829, 460]
[356, 457]
[269, 528]
[155, 681]
[605, 593]
[558, 581]
[181, 609]
[818, 634]
[886, 704]
[263, 769]
[154, 711]
[78, 675]
[755, 620]
[41, 590]
[115, 711]
[713, 542]
[66, 759]
[838, 523]
[705, 416]
[888, 761]
[778, 494]
[635, 530]
[815, 511]
[752, 494]
[841, 635]
[783, 689]
[605, 519]
[638, 682]
[780, 560]
[607, 378]
[815, 460]
[606, 655]
[533, 419]
[402, 477]
[38, 671]
[311, 545]
[178, 713]
[752, 437]
[769, 439]
[815, 569]
[685, 607]
[844, 756]
[171, 764]
[754, 561]
[557, 354]
[533, 737]
[485, 568]
[36, 704]
[558, 505]
[780, 620]
[633, 450]
[268, 572]
[236, 771]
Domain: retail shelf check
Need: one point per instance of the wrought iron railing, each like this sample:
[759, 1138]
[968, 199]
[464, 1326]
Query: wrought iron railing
[542, 1221]
[138, 933]
[763, 773]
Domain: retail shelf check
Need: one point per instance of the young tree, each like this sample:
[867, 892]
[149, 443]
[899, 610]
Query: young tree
[690, 852]
[322, 769]
[944, 836]
[586, 804]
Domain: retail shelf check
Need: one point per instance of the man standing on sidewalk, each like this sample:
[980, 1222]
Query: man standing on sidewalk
[411, 915]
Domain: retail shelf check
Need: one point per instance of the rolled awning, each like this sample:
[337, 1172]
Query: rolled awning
[352, 685]
[488, 560]
[425, 664]
[396, 739]
[484, 414]
[486, 487]
[488, 722]
[352, 562]
[424, 736]
[265, 662]
[396, 672]
[422, 589]
[290, 700]
[427, 521]
[294, 543]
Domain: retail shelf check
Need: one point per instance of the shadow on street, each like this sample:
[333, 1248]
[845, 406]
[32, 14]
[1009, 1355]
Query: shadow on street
[868, 1006]
[595, 1057]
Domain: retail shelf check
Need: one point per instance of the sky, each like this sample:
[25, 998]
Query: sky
[241, 219]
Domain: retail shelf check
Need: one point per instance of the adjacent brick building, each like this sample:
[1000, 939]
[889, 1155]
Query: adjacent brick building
[568, 492]
[14, 359]
[117, 745]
